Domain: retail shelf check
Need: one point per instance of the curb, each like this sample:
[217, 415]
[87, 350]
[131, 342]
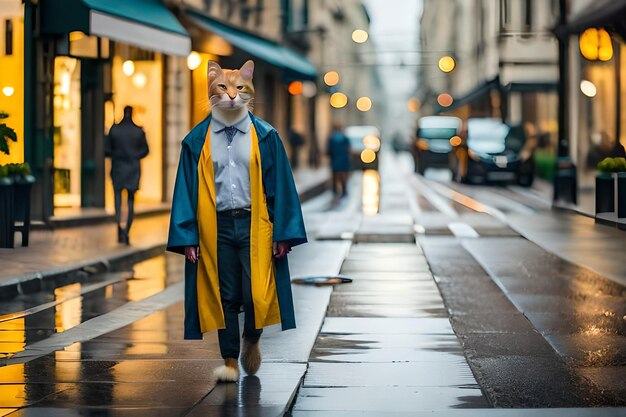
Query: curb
[50, 279]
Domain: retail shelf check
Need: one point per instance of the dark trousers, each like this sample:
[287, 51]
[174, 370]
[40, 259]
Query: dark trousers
[233, 266]
[117, 193]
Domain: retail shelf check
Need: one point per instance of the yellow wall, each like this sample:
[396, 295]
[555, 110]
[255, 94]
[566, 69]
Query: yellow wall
[12, 75]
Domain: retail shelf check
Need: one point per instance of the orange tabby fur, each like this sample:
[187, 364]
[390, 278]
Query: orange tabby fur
[230, 91]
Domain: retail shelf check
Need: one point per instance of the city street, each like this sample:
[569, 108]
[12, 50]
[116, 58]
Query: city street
[460, 302]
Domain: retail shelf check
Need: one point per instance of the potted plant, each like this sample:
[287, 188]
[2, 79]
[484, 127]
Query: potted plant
[605, 186]
[620, 169]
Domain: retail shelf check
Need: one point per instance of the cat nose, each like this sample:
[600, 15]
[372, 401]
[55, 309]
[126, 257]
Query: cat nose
[232, 97]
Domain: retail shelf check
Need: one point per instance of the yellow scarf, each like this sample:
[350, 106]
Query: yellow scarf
[265, 299]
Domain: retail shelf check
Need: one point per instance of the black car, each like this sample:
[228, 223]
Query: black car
[434, 140]
[493, 152]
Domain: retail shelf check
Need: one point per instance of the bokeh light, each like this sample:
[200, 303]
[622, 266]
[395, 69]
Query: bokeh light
[128, 68]
[331, 78]
[309, 89]
[360, 36]
[338, 100]
[295, 88]
[445, 100]
[588, 88]
[455, 140]
[372, 142]
[364, 104]
[413, 105]
[140, 80]
[447, 63]
[8, 91]
[368, 156]
[194, 60]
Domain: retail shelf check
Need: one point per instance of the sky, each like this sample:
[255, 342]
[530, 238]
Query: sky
[394, 31]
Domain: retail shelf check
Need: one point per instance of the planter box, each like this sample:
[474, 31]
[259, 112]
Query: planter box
[621, 195]
[23, 187]
[605, 193]
[7, 213]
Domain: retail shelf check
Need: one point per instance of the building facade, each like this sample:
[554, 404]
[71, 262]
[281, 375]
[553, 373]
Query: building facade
[506, 64]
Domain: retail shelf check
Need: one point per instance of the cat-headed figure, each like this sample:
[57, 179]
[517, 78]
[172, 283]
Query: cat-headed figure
[231, 91]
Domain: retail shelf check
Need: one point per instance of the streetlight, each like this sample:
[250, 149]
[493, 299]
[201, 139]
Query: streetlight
[360, 36]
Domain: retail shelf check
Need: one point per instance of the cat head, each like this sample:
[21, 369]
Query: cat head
[231, 89]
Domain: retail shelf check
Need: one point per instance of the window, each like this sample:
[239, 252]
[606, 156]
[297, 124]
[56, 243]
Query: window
[8, 37]
[529, 14]
[505, 14]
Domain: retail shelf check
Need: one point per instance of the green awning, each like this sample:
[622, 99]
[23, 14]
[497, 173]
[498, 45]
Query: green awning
[294, 65]
[147, 24]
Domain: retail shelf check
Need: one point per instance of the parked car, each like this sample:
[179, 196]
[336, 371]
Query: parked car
[493, 152]
[433, 142]
[365, 145]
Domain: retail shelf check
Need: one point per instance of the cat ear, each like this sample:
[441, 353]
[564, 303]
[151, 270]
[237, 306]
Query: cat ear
[214, 71]
[247, 70]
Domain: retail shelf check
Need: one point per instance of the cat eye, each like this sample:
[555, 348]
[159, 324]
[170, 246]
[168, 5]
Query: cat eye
[240, 87]
[222, 86]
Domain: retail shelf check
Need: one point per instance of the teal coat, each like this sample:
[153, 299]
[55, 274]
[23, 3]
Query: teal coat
[282, 203]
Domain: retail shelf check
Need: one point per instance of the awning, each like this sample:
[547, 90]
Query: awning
[147, 24]
[608, 14]
[477, 93]
[294, 65]
[531, 87]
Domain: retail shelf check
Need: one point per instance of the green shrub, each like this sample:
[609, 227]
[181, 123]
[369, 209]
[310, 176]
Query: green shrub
[15, 170]
[612, 165]
[6, 134]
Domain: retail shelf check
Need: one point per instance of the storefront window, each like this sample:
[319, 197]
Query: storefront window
[67, 132]
[138, 82]
[12, 77]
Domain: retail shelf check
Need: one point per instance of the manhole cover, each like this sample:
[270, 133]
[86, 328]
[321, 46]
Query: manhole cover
[322, 280]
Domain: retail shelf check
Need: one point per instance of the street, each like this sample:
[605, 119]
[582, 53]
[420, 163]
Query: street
[451, 309]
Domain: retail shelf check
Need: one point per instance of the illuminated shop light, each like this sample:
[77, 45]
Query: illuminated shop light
[194, 60]
[8, 91]
[588, 88]
[128, 68]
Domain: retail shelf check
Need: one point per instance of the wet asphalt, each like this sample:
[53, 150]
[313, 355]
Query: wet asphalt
[451, 311]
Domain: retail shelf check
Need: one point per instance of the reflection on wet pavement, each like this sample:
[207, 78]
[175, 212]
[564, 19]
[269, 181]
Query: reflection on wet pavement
[370, 192]
[387, 344]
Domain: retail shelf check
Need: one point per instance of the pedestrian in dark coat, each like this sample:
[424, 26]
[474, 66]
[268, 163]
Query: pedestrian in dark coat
[339, 152]
[126, 146]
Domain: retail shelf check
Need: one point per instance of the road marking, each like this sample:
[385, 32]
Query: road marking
[468, 201]
[463, 230]
[422, 186]
[90, 329]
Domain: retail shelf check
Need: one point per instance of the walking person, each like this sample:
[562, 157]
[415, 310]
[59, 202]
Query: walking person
[235, 216]
[339, 151]
[126, 146]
